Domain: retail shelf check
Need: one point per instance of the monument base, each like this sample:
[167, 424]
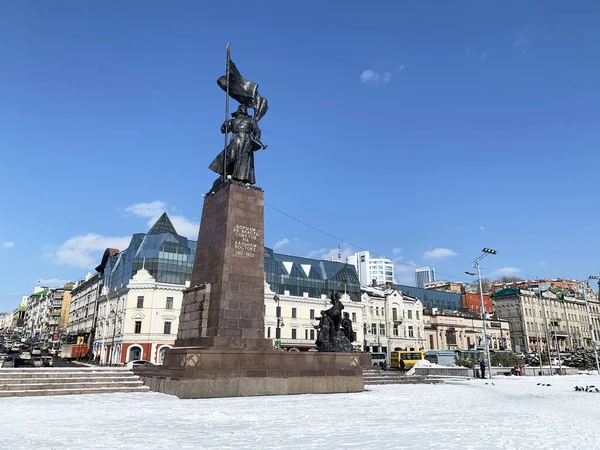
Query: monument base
[195, 372]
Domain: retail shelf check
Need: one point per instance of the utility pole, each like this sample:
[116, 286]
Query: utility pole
[486, 251]
[587, 307]
[548, 342]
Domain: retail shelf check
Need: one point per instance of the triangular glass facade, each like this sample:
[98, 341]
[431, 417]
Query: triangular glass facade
[163, 225]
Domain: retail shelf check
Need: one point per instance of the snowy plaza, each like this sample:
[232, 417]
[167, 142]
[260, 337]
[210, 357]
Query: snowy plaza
[513, 413]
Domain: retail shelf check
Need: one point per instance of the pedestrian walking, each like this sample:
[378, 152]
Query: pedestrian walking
[402, 366]
[482, 368]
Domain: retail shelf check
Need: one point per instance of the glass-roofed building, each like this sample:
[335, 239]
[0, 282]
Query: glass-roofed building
[167, 256]
[315, 277]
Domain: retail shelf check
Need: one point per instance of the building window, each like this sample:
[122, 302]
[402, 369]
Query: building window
[353, 317]
[306, 334]
[140, 301]
[268, 332]
[377, 310]
[417, 314]
[394, 314]
[293, 313]
[411, 332]
[395, 330]
[312, 313]
[373, 328]
[431, 342]
[382, 329]
[371, 308]
[167, 328]
[410, 313]
[294, 333]
[138, 326]
[312, 334]
[169, 304]
[450, 337]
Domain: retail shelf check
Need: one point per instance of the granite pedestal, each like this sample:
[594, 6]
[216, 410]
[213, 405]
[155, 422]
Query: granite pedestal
[220, 349]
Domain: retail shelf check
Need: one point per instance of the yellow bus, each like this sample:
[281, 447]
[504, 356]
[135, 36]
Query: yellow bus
[410, 358]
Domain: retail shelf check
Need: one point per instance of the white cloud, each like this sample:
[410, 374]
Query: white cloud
[52, 282]
[438, 253]
[484, 55]
[372, 76]
[281, 243]
[396, 251]
[506, 271]
[369, 76]
[7, 244]
[405, 273]
[329, 254]
[85, 251]
[482, 228]
[153, 210]
[149, 209]
[521, 44]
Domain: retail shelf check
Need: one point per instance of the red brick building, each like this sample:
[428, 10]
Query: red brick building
[472, 302]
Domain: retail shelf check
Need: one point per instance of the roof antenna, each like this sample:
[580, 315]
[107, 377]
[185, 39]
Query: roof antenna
[339, 251]
[144, 264]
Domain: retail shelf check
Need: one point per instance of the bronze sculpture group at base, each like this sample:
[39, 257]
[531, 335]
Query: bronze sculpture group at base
[334, 333]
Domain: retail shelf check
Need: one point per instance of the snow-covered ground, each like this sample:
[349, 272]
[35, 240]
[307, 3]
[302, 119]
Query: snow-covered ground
[512, 413]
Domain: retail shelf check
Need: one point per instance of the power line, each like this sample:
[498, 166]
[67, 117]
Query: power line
[353, 245]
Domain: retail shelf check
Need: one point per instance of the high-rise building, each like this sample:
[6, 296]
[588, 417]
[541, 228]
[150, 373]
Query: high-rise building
[424, 275]
[378, 270]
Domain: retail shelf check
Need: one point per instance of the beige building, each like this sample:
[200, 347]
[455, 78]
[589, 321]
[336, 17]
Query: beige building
[63, 321]
[537, 317]
[43, 314]
[83, 305]
[464, 331]
[391, 321]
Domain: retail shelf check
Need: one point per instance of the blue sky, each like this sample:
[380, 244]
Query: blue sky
[422, 131]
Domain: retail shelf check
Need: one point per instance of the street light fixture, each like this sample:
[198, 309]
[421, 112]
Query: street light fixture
[278, 318]
[587, 307]
[486, 251]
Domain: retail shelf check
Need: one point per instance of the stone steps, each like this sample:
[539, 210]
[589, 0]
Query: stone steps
[376, 377]
[66, 381]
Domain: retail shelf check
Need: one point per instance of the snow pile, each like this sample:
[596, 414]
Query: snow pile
[422, 363]
[511, 413]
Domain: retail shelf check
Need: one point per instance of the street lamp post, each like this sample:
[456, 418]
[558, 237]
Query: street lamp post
[486, 251]
[278, 318]
[548, 341]
[537, 332]
[113, 313]
[587, 307]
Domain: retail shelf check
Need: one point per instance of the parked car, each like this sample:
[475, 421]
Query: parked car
[139, 362]
[54, 351]
[43, 361]
[15, 349]
[25, 355]
[36, 351]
